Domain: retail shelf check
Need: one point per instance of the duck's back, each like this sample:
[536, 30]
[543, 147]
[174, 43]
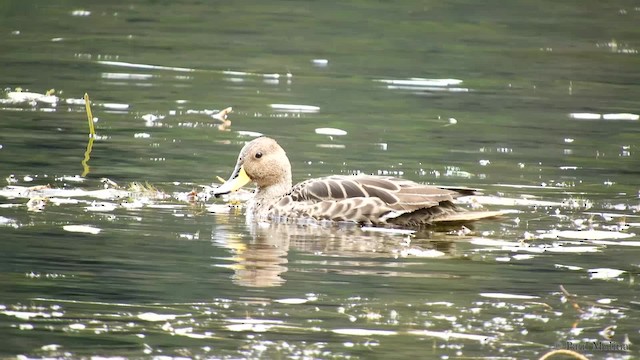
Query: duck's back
[375, 200]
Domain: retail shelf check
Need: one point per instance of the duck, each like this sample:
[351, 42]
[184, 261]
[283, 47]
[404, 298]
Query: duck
[363, 199]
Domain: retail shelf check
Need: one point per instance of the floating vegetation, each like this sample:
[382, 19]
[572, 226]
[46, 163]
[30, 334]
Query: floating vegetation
[135, 195]
[30, 98]
[20, 99]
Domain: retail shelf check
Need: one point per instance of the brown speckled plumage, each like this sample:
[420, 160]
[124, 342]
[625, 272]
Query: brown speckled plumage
[365, 199]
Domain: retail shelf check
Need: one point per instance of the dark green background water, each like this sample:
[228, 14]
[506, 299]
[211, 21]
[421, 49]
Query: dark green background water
[524, 65]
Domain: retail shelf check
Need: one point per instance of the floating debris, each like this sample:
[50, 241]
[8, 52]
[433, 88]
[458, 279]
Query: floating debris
[616, 243]
[448, 335]
[505, 201]
[150, 316]
[77, 326]
[331, 146]
[80, 13]
[604, 273]
[621, 116]
[31, 98]
[87, 229]
[382, 146]
[249, 327]
[588, 234]
[612, 116]
[249, 133]
[126, 76]
[558, 248]
[101, 207]
[37, 204]
[74, 178]
[71, 101]
[508, 296]
[144, 66]
[330, 131]
[223, 114]
[151, 118]
[320, 62]
[5, 221]
[523, 257]
[415, 252]
[364, 332]
[63, 201]
[585, 116]
[422, 84]
[256, 325]
[237, 73]
[295, 108]
[388, 230]
[219, 208]
[50, 347]
[605, 301]
[166, 206]
[291, 301]
[115, 106]
[568, 267]
[513, 246]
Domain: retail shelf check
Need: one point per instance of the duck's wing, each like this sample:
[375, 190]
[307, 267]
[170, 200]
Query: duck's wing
[392, 191]
[369, 199]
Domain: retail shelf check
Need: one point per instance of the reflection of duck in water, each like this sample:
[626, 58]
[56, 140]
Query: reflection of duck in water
[264, 259]
[364, 199]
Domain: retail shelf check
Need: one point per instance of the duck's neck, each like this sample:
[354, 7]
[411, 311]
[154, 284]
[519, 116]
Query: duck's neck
[271, 189]
[264, 198]
[273, 193]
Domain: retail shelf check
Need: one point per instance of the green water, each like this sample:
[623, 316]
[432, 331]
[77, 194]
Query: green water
[170, 278]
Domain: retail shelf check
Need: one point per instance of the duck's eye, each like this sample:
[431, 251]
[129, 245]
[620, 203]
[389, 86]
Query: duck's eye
[258, 155]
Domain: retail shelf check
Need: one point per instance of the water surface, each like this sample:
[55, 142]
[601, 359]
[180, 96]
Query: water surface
[533, 102]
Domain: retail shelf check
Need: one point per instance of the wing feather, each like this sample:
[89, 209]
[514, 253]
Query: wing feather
[373, 199]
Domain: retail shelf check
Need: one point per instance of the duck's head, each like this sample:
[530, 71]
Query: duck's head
[261, 161]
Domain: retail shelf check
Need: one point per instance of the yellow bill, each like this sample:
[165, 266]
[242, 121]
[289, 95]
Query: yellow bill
[238, 179]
